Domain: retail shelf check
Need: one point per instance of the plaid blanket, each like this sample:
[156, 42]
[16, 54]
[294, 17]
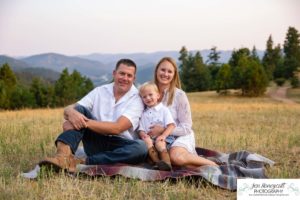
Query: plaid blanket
[242, 164]
[235, 165]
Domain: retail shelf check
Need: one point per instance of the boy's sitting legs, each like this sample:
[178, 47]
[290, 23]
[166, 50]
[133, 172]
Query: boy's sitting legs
[165, 162]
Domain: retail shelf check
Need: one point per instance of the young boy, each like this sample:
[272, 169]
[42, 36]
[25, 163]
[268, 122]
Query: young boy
[156, 113]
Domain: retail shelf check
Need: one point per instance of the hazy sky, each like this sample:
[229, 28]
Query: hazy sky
[74, 27]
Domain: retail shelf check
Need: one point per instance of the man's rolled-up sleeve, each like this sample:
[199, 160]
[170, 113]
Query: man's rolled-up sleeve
[134, 111]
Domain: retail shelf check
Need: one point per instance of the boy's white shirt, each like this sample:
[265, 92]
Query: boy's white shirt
[158, 114]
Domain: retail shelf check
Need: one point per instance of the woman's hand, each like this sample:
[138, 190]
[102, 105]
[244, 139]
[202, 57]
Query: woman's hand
[155, 130]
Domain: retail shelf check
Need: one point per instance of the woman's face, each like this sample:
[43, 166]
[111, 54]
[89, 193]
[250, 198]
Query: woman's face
[165, 73]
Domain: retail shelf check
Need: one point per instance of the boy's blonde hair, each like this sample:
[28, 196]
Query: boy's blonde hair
[149, 84]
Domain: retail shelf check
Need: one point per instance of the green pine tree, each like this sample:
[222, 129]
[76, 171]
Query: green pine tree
[63, 89]
[272, 60]
[224, 79]
[213, 57]
[200, 76]
[8, 83]
[22, 98]
[236, 68]
[184, 67]
[291, 50]
[213, 65]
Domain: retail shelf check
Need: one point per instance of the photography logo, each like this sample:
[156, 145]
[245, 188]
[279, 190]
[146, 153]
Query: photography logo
[282, 189]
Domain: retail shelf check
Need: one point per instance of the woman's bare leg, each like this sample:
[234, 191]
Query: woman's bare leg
[181, 157]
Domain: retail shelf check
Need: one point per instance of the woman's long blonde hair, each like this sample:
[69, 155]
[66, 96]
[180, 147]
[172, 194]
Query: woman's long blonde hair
[175, 83]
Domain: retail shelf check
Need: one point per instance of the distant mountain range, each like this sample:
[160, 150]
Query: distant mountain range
[98, 67]
[25, 72]
[145, 58]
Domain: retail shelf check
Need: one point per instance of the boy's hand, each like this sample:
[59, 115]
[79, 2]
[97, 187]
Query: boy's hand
[144, 135]
[155, 130]
[161, 138]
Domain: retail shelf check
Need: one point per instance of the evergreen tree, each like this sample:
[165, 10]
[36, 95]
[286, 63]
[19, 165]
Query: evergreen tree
[70, 88]
[278, 59]
[80, 85]
[236, 68]
[199, 77]
[194, 74]
[291, 50]
[8, 76]
[247, 73]
[252, 79]
[268, 61]
[67, 89]
[183, 57]
[184, 67]
[63, 89]
[213, 65]
[4, 100]
[237, 54]
[43, 93]
[256, 80]
[8, 83]
[213, 57]
[22, 98]
[76, 86]
[188, 73]
[224, 79]
[272, 60]
[87, 86]
[254, 55]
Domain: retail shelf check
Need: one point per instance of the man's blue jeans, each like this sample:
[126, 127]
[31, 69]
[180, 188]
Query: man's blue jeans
[103, 149]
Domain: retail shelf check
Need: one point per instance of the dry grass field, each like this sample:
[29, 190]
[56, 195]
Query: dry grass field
[226, 124]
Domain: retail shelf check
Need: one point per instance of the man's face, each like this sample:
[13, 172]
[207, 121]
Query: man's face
[124, 77]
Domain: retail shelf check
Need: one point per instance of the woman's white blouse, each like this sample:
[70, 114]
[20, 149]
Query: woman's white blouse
[181, 112]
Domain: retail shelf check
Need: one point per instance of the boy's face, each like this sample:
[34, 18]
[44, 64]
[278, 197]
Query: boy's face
[149, 96]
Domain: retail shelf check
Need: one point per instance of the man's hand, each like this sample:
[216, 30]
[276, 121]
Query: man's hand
[67, 126]
[77, 119]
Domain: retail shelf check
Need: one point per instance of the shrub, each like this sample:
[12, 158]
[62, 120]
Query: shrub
[280, 81]
[295, 82]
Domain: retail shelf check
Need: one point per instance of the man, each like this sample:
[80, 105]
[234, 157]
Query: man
[105, 121]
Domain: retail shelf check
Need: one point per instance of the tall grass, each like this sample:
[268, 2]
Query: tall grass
[225, 124]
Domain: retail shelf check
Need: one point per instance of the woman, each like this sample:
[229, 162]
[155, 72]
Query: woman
[182, 151]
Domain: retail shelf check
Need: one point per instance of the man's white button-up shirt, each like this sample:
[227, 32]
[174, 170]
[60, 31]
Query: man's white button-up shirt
[101, 103]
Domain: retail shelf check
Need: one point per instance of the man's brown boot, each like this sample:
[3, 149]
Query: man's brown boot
[153, 154]
[165, 162]
[63, 159]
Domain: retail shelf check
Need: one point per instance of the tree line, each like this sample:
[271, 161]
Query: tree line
[245, 70]
[66, 90]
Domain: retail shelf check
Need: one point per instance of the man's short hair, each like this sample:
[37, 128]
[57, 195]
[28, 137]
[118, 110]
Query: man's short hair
[126, 61]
